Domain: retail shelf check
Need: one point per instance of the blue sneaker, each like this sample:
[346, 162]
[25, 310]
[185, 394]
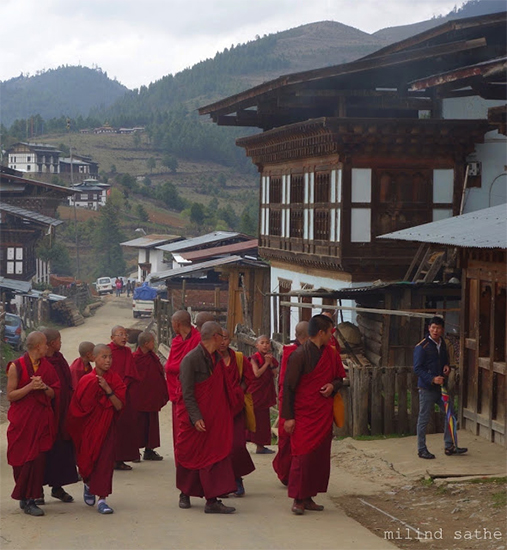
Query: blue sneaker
[88, 497]
[104, 508]
[240, 489]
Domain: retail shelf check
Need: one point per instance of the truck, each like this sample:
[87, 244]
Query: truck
[143, 302]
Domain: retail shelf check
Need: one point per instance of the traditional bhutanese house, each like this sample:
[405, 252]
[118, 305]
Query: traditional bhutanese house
[353, 151]
[481, 238]
[34, 158]
[27, 213]
[90, 194]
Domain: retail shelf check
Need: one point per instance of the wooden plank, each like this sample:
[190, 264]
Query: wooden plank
[360, 396]
[369, 334]
[414, 402]
[376, 413]
[422, 265]
[386, 333]
[401, 388]
[415, 260]
[388, 389]
[435, 266]
[370, 324]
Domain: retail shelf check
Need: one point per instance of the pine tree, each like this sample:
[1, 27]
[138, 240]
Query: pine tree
[108, 252]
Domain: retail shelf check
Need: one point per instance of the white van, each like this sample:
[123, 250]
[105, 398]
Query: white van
[104, 285]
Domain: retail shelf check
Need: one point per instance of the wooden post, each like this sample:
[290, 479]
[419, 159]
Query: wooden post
[401, 387]
[183, 292]
[376, 402]
[388, 383]
[360, 398]
[414, 402]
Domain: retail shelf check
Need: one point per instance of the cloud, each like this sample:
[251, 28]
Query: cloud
[139, 42]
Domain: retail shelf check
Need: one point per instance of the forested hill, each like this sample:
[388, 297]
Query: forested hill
[66, 91]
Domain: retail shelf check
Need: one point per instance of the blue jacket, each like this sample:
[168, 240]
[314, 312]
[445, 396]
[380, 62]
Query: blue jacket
[428, 363]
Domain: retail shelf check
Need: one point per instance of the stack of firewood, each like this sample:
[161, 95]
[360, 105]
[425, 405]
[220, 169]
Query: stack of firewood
[68, 312]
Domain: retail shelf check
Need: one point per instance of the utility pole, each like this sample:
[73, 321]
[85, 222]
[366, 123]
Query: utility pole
[75, 198]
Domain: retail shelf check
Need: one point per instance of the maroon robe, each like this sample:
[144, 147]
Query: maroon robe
[60, 459]
[264, 396]
[313, 432]
[283, 458]
[242, 463]
[77, 370]
[179, 348]
[151, 395]
[33, 425]
[203, 462]
[92, 423]
[126, 446]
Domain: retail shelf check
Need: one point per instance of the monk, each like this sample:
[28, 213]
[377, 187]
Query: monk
[60, 460]
[151, 395]
[123, 365]
[311, 379]
[93, 414]
[235, 365]
[262, 388]
[33, 388]
[186, 339]
[283, 458]
[203, 449]
[203, 317]
[83, 364]
[333, 341]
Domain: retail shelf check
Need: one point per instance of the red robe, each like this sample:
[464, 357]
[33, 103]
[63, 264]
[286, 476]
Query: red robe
[283, 458]
[264, 396]
[242, 463]
[151, 395]
[123, 365]
[77, 370]
[179, 348]
[32, 428]
[312, 436]
[60, 460]
[92, 418]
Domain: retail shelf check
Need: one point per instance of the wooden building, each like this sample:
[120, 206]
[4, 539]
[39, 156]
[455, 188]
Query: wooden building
[351, 152]
[34, 158]
[481, 238]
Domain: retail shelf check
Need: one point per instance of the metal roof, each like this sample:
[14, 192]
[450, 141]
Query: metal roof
[13, 284]
[481, 229]
[29, 215]
[187, 244]
[150, 241]
[204, 266]
[220, 250]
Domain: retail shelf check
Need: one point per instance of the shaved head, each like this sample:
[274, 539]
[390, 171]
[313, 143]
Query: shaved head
[203, 317]
[85, 348]
[302, 330]
[117, 328]
[34, 339]
[98, 348]
[145, 338]
[209, 329]
[182, 317]
[51, 334]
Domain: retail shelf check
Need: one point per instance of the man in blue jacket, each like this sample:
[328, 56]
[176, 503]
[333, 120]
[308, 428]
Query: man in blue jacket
[431, 364]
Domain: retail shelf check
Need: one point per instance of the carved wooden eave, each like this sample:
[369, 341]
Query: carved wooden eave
[365, 137]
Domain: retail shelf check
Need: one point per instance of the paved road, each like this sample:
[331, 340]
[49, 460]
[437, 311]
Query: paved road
[146, 500]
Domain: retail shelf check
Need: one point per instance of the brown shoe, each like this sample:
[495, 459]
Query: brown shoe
[218, 507]
[311, 505]
[184, 501]
[298, 507]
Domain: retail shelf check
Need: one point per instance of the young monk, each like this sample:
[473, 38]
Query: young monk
[203, 317]
[151, 395]
[203, 448]
[311, 380]
[123, 365]
[93, 415]
[283, 458]
[83, 364]
[60, 460]
[186, 339]
[235, 365]
[33, 388]
[262, 388]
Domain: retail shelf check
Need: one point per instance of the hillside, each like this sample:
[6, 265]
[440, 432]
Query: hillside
[66, 91]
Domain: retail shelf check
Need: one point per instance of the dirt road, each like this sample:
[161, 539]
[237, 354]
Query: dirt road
[146, 500]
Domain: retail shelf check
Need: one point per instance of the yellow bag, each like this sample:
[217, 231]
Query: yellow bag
[249, 405]
[338, 410]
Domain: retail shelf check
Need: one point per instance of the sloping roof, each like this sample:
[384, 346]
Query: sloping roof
[220, 250]
[29, 215]
[13, 284]
[15, 177]
[204, 266]
[187, 244]
[150, 241]
[481, 229]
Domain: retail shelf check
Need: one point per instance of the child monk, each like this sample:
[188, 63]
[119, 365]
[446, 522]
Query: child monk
[262, 387]
[235, 366]
[93, 413]
[83, 364]
[32, 389]
[151, 395]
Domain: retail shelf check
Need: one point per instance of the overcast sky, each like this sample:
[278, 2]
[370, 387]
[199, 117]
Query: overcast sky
[139, 41]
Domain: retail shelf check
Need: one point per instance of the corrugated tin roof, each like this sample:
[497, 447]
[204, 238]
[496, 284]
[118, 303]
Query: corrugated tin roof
[204, 266]
[13, 284]
[29, 215]
[220, 250]
[151, 241]
[216, 236]
[485, 228]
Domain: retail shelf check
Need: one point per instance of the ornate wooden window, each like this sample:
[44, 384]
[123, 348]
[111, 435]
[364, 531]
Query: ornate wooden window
[275, 190]
[322, 187]
[296, 224]
[297, 189]
[275, 223]
[321, 224]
